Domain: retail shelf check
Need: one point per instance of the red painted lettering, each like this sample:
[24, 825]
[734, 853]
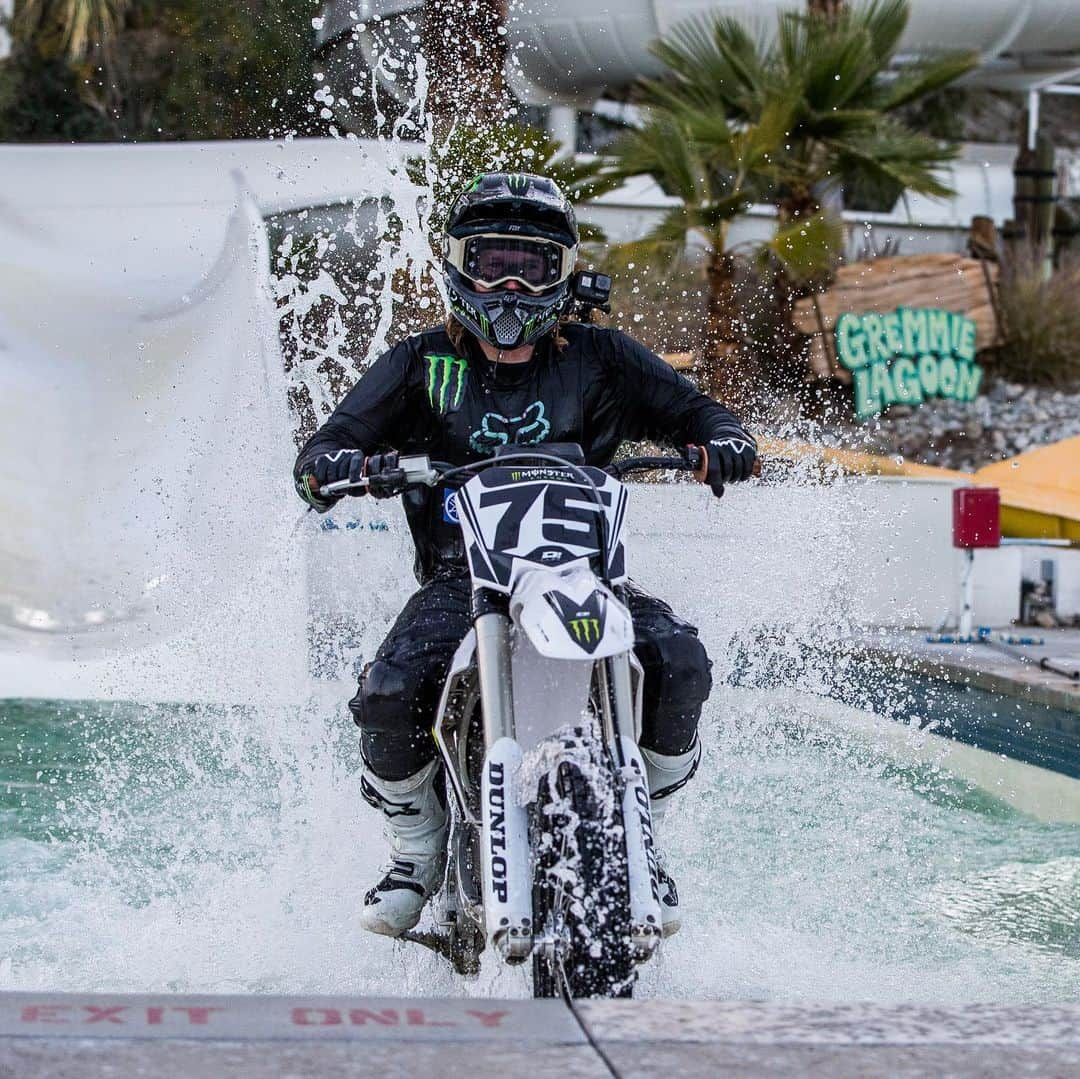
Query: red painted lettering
[388, 1017]
[316, 1017]
[45, 1013]
[155, 1015]
[104, 1015]
[416, 1018]
[198, 1017]
[488, 1019]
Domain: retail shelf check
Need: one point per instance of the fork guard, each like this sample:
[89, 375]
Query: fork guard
[642, 868]
[507, 874]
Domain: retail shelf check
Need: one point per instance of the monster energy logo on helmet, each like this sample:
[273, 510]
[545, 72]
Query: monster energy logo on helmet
[445, 382]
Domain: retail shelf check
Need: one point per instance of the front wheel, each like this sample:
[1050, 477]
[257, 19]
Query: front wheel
[581, 895]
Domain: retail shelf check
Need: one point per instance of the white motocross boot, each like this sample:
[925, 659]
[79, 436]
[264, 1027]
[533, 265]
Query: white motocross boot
[416, 824]
[666, 775]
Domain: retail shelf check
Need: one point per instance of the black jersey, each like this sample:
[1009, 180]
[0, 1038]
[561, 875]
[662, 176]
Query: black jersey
[426, 396]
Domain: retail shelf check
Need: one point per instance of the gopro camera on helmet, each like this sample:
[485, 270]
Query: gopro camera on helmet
[592, 291]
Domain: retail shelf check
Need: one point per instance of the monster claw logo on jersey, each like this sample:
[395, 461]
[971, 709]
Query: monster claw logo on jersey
[445, 382]
[529, 429]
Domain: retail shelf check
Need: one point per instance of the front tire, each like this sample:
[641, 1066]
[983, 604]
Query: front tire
[581, 893]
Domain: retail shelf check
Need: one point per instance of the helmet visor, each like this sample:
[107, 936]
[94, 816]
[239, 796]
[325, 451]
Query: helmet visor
[492, 260]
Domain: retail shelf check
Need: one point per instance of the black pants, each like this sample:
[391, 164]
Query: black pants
[394, 706]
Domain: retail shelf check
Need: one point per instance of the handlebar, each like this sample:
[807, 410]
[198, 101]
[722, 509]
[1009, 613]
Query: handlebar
[420, 471]
[417, 471]
[691, 461]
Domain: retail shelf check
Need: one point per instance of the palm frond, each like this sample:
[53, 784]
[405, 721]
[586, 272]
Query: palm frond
[894, 153]
[713, 215]
[82, 23]
[808, 249]
[841, 123]
[885, 21]
[923, 77]
[712, 61]
[663, 150]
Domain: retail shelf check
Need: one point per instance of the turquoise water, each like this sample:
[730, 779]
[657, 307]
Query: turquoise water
[185, 848]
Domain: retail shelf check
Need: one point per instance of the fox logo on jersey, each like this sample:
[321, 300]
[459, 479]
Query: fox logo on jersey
[529, 429]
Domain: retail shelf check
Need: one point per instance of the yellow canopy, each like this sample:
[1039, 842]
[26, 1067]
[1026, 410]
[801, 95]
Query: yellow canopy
[1040, 489]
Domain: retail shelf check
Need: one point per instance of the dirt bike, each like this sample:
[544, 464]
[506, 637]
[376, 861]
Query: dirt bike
[550, 852]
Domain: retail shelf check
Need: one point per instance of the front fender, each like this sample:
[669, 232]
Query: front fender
[571, 615]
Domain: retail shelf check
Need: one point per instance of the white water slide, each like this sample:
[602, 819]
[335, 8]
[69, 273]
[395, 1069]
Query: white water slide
[144, 429]
[566, 52]
[122, 394]
[572, 52]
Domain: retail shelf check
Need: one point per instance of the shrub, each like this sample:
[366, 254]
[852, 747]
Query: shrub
[168, 69]
[1040, 318]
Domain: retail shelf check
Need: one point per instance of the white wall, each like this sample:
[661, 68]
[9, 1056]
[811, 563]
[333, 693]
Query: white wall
[982, 179]
[912, 573]
[1068, 583]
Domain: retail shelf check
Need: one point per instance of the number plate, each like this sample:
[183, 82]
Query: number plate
[517, 518]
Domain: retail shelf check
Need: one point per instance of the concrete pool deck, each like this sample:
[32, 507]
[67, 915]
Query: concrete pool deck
[62, 1036]
[988, 667]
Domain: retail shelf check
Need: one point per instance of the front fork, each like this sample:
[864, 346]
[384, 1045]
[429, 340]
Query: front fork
[642, 868]
[506, 870]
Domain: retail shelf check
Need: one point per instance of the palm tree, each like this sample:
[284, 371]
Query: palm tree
[80, 24]
[782, 119]
[465, 43]
[716, 170]
[838, 72]
[828, 8]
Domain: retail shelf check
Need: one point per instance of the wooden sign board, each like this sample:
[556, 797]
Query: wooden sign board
[883, 286]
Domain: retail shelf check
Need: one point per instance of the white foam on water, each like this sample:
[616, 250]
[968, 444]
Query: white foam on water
[220, 848]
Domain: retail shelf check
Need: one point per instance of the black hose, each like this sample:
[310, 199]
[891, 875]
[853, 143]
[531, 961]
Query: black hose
[1045, 663]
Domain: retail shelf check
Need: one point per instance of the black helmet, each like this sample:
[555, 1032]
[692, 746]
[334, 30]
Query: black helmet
[510, 229]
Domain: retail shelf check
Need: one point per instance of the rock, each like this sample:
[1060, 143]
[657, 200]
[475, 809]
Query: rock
[1008, 419]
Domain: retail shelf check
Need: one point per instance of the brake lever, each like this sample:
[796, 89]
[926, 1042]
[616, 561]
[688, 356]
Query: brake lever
[344, 486]
[414, 470]
[388, 483]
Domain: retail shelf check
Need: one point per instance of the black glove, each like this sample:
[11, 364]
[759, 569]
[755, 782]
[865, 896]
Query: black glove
[331, 468]
[729, 459]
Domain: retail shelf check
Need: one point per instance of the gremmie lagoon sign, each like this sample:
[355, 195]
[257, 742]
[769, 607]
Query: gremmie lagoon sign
[906, 357]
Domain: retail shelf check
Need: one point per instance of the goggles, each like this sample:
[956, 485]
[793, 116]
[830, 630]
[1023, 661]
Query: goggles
[491, 259]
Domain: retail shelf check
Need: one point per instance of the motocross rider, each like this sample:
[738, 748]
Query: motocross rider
[507, 368]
